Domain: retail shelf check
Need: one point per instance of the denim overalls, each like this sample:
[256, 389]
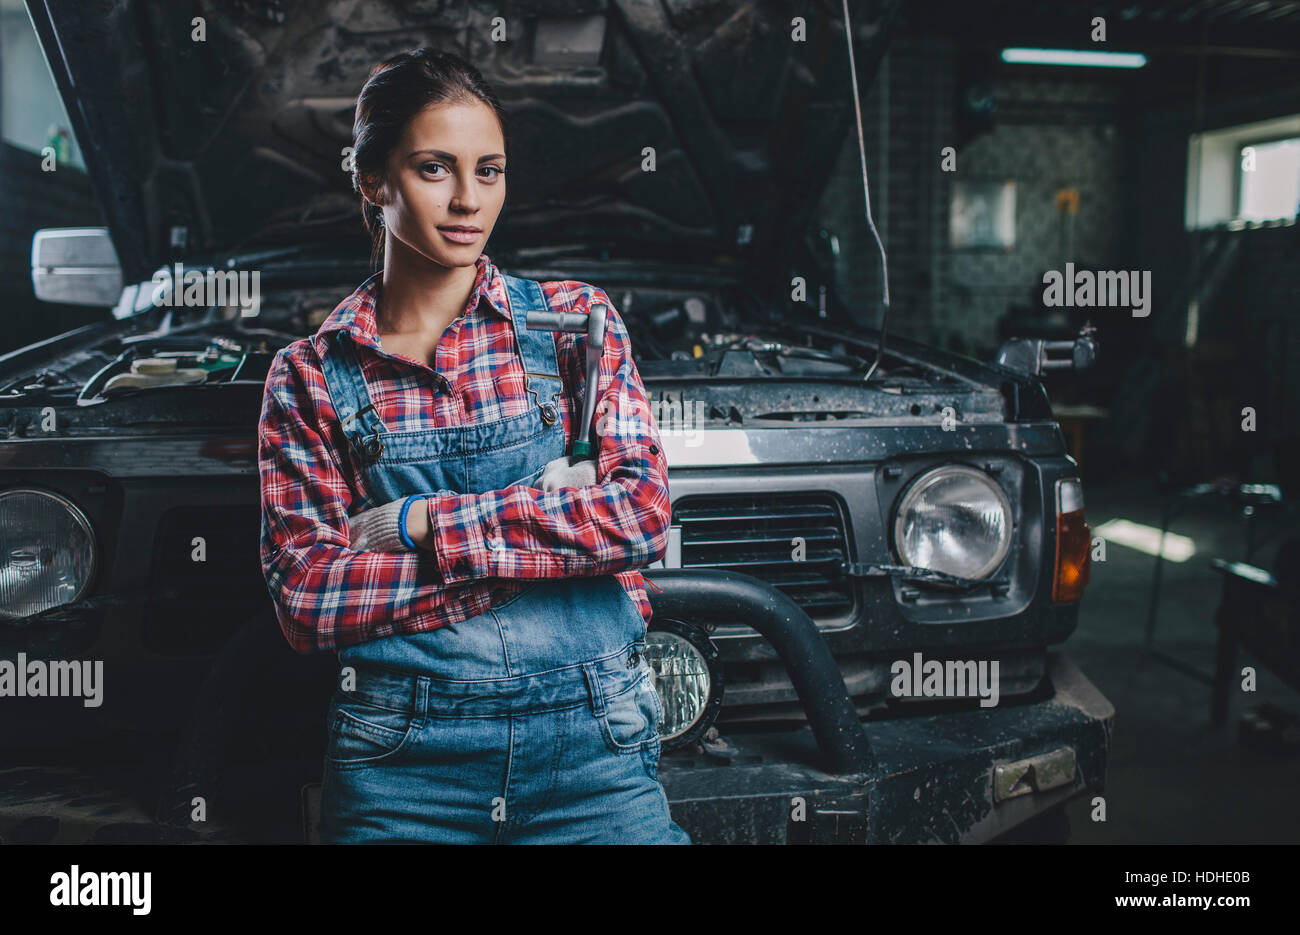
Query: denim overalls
[534, 722]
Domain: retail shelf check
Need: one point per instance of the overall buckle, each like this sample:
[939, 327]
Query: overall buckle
[347, 422]
[373, 449]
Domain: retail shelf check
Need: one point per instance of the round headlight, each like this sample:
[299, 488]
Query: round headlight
[686, 675]
[47, 552]
[954, 519]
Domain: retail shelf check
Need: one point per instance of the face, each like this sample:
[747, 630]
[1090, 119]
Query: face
[447, 171]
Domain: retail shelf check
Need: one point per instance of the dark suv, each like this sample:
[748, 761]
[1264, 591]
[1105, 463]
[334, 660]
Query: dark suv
[867, 566]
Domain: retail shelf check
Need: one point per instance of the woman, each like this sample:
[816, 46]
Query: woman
[420, 515]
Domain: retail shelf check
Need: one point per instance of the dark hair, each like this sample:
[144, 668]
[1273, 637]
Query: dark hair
[399, 88]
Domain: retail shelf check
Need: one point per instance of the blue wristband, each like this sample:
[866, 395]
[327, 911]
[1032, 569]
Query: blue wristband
[401, 520]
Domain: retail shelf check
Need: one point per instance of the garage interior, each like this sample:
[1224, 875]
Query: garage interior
[1109, 166]
[1189, 419]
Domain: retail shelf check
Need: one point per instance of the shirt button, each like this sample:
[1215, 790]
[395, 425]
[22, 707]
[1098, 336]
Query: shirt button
[654, 449]
[633, 659]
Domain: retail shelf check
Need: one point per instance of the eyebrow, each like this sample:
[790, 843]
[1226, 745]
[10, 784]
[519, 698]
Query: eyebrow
[450, 158]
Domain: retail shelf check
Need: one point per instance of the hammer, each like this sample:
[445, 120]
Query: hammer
[594, 324]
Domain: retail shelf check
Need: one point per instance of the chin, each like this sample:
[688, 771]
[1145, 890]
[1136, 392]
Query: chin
[467, 255]
[445, 255]
[460, 249]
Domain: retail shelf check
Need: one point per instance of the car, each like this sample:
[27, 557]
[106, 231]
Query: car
[877, 546]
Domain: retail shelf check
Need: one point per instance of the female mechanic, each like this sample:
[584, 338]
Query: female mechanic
[421, 517]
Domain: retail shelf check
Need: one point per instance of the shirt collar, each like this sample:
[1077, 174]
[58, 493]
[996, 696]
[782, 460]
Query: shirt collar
[356, 313]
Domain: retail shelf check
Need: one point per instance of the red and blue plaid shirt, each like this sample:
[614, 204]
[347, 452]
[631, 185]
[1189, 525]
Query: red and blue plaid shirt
[328, 595]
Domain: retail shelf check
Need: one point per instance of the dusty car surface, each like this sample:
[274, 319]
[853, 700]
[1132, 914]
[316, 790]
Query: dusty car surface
[832, 536]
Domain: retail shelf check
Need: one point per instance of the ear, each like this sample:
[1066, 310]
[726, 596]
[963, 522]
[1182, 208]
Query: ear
[372, 191]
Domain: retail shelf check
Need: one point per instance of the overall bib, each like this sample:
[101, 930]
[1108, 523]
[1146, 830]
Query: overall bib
[534, 722]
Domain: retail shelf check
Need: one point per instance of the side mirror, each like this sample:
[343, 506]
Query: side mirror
[1033, 355]
[76, 266]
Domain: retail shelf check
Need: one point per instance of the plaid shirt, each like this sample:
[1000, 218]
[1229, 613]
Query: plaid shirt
[328, 595]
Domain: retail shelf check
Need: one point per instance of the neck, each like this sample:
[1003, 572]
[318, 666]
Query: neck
[419, 296]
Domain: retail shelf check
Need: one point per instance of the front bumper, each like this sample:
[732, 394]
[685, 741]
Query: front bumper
[933, 782]
[929, 778]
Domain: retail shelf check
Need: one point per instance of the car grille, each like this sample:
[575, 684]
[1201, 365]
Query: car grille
[756, 535]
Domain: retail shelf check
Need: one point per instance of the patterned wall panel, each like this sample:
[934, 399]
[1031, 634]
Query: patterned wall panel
[1049, 134]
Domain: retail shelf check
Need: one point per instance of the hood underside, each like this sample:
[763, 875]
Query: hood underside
[237, 139]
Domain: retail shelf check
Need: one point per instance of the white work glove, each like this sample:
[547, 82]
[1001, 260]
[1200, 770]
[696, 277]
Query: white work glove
[375, 529]
[560, 473]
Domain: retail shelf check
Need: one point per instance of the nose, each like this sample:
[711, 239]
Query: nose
[465, 199]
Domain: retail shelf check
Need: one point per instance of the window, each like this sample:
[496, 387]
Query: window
[1269, 180]
[31, 113]
[1244, 174]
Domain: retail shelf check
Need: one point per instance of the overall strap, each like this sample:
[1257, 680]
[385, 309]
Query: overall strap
[537, 348]
[341, 367]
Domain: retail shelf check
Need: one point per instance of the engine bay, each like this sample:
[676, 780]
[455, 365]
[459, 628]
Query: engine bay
[677, 334]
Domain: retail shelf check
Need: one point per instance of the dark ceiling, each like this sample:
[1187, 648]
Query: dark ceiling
[1130, 24]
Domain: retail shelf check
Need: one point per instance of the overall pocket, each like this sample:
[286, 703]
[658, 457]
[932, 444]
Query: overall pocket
[529, 480]
[365, 734]
[630, 723]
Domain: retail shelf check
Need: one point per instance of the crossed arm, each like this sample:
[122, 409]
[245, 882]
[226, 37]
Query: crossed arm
[329, 594]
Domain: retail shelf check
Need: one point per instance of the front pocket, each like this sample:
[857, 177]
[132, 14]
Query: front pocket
[650, 758]
[363, 734]
[630, 721]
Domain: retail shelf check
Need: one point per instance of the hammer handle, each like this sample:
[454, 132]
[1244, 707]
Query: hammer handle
[594, 325]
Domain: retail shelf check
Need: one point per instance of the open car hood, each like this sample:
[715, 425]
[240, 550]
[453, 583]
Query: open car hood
[238, 139]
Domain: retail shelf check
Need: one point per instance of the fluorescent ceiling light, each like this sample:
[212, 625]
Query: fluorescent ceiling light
[1147, 539]
[1073, 57]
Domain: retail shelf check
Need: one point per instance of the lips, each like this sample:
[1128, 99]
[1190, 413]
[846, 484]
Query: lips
[460, 233]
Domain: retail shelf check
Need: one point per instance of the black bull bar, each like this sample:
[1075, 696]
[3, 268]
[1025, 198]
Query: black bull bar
[710, 596]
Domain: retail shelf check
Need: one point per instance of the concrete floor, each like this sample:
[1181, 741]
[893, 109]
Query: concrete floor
[1171, 778]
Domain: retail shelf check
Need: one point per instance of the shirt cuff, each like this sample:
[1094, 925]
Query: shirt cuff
[460, 543]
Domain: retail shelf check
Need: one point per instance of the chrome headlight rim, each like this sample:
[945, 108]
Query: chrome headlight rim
[699, 639]
[79, 517]
[924, 479]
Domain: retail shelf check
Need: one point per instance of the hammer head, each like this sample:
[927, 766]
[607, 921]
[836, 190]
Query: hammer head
[593, 323]
[596, 325]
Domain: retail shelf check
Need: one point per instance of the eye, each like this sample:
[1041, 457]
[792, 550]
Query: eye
[497, 169]
[430, 166]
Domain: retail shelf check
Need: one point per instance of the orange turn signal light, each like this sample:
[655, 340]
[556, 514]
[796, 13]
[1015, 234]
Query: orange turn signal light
[1073, 543]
